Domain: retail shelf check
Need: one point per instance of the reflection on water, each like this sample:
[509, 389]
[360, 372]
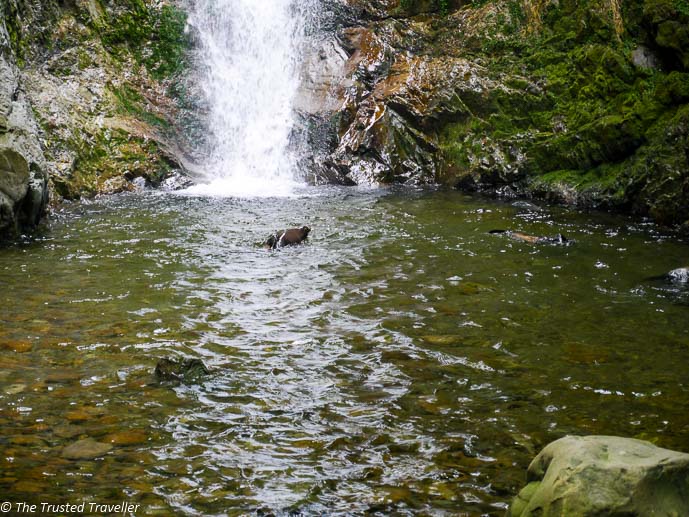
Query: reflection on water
[404, 360]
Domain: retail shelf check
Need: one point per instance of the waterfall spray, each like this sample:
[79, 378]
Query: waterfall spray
[249, 76]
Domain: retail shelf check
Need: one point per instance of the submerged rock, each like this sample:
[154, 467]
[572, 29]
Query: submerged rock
[86, 449]
[604, 475]
[678, 277]
[184, 370]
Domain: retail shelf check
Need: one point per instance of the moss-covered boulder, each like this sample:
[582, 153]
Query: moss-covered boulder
[604, 475]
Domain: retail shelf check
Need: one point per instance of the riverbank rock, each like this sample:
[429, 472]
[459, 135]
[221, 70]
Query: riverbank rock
[604, 475]
[92, 101]
[23, 182]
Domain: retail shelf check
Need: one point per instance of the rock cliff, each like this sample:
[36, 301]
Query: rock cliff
[575, 102]
[23, 176]
[92, 100]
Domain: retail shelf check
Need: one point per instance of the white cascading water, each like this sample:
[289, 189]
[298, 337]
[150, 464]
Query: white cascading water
[250, 64]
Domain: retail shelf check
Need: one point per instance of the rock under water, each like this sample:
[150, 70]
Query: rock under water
[679, 275]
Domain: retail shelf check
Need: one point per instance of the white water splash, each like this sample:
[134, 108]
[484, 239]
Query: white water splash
[250, 54]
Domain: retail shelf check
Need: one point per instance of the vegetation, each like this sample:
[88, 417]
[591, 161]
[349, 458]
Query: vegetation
[156, 37]
[416, 6]
[586, 118]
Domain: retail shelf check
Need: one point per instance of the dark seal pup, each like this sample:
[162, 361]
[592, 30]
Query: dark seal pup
[534, 239]
[287, 237]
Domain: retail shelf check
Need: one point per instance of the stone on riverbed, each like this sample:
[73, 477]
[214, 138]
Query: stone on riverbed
[604, 475]
[86, 449]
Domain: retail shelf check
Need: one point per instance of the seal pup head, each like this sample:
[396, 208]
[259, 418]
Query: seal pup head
[271, 242]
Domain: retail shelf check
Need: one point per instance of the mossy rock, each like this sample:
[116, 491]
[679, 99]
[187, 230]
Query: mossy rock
[604, 475]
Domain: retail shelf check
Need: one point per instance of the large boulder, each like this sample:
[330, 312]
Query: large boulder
[604, 475]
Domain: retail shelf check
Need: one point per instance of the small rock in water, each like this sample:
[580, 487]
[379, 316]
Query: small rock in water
[176, 181]
[185, 370]
[14, 389]
[679, 275]
[441, 340]
[86, 449]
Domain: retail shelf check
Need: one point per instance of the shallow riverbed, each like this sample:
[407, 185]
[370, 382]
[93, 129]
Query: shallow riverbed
[404, 360]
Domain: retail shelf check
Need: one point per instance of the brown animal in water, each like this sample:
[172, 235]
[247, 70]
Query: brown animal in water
[534, 239]
[287, 237]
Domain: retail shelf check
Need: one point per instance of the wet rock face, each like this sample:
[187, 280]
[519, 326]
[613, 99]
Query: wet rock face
[389, 92]
[90, 113]
[555, 100]
[604, 475]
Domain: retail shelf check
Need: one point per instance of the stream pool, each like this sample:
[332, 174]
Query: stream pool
[403, 361]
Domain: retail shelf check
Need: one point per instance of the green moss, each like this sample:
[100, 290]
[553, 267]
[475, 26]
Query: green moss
[131, 102]
[672, 88]
[596, 125]
[682, 7]
[170, 43]
[129, 28]
[421, 6]
[154, 36]
[111, 154]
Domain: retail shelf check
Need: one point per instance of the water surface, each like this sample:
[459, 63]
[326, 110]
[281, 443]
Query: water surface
[404, 360]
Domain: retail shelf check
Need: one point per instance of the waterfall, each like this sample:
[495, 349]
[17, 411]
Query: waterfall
[249, 76]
